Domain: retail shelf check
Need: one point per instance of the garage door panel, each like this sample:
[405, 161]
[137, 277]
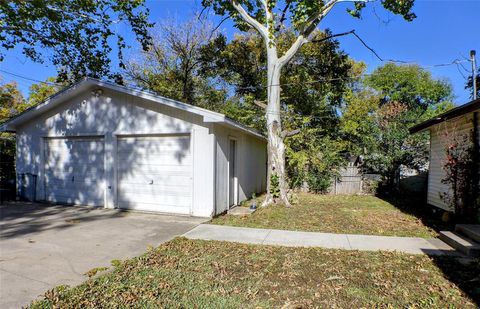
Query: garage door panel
[165, 143]
[158, 169]
[79, 186]
[154, 207]
[159, 189]
[171, 178]
[163, 164]
[79, 176]
[155, 173]
[159, 199]
[74, 170]
[74, 197]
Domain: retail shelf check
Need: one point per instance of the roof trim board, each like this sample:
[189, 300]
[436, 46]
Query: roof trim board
[455, 112]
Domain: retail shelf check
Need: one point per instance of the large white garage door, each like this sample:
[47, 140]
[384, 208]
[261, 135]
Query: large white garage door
[74, 171]
[155, 173]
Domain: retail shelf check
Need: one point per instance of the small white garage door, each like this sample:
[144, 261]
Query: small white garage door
[74, 171]
[155, 173]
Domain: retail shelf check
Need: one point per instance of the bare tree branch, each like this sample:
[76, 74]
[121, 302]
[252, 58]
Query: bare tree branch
[218, 26]
[260, 104]
[332, 36]
[311, 25]
[290, 133]
[284, 16]
[368, 47]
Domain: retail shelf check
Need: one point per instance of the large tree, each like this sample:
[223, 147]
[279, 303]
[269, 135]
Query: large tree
[376, 117]
[77, 35]
[171, 64]
[270, 18]
[308, 106]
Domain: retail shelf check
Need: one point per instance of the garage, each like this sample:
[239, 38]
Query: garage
[97, 143]
[155, 173]
[74, 170]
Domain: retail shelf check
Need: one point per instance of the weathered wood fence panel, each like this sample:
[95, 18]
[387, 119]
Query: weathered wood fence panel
[349, 181]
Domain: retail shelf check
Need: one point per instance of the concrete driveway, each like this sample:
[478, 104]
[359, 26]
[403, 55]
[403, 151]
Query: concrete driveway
[45, 246]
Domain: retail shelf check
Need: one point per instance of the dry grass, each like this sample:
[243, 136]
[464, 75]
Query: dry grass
[207, 274]
[335, 214]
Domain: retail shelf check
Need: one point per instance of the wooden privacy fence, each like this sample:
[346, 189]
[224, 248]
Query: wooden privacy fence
[348, 182]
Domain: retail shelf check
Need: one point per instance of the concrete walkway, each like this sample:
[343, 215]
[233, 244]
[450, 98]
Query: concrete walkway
[413, 245]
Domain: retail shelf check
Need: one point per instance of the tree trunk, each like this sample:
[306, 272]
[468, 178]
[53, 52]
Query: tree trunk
[276, 146]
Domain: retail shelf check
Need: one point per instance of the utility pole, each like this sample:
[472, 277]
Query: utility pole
[474, 73]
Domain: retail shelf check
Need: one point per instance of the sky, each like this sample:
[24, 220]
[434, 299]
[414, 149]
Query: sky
[444, 31]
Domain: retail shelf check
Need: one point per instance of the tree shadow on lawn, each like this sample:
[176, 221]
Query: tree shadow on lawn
[463, 272]
[416, 205]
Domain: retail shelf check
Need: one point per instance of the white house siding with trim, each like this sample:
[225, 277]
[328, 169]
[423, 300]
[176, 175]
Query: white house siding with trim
[460, 126]
[251, 155]
[109, 118]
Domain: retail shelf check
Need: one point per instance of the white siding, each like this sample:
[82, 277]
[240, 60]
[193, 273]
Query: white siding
[251, 165]
[438, 142]
[112, 115]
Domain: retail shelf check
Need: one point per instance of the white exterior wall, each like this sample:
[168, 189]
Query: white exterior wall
[460, 126]
[251, 165]
[112, 115]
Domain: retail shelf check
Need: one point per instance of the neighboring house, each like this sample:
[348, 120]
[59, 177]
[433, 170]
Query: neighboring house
[461, 121]
[97, 143]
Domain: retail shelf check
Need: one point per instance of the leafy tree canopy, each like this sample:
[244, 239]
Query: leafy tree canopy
[376, 117]
[39, 92]
[78, 33]
[408, 84]
[11, 101]
[300, 14]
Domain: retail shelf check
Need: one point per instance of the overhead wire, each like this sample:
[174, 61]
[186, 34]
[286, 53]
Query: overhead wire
[456, 62]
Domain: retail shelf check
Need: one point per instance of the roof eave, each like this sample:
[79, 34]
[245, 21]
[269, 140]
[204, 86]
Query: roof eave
[469, 107]
[56, 99]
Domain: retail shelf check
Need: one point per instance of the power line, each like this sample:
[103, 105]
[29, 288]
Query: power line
[30, 79]
[454, 62]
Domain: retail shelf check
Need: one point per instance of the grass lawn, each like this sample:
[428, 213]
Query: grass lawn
[335, 214]
[208, 274]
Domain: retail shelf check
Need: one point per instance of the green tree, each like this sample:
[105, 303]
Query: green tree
[313, 84]
[170, 66]
[39, 92]
[376, 117]
[11, 103]
[270, 19]
[78, 33]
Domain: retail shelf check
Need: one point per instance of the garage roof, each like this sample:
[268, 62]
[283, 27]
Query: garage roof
[88, 83]
[455, 112]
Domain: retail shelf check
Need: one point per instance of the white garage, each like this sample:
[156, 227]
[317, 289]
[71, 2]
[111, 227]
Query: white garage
[100, 144]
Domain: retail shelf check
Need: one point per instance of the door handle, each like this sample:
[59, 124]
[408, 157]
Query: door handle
[150, 182]
[73, 178]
